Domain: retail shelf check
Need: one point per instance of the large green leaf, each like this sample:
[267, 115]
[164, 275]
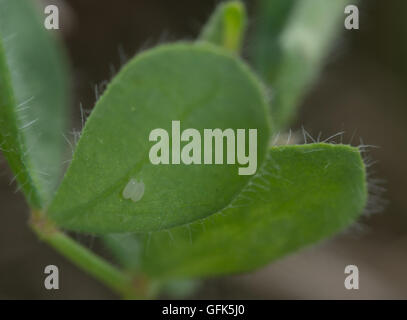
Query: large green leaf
[33, 98]
[226, 26]
[303, 194]
[199, 84]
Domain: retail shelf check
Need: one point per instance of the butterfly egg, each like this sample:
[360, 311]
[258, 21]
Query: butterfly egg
[134, 190]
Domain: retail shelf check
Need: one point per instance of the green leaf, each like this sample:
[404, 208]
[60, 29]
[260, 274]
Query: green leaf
[226, 26]
[303, 194]
[270, 20]
[127, 250]
[199, 84]
[298, 52]
[33, 97]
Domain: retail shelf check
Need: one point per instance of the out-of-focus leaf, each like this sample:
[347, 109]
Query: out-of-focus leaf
[33, 100]
[202, 86]
[271, 17]
[226, 26]
[296, 50]
[127, 250]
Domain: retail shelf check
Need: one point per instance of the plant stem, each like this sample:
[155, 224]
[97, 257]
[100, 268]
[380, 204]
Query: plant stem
[112, 277]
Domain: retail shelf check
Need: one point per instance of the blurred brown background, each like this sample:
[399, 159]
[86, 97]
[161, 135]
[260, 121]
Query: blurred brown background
[361, 91]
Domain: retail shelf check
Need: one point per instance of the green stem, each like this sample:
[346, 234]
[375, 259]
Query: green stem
[120, 282]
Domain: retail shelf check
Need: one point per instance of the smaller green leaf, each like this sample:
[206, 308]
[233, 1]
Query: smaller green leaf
[226, 26]
[303, 194]
[126, 250]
